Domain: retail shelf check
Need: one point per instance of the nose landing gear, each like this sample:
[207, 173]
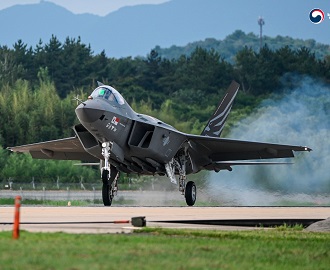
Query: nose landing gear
[109, 175]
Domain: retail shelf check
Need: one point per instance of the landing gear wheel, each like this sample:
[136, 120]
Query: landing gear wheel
[190, 193]
[110, 184]
[105, 176]
[106, 194]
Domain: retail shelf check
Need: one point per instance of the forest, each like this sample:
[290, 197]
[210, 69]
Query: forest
[37, 86]
[233, 43]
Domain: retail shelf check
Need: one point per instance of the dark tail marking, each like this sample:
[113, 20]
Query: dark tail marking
[217, 121]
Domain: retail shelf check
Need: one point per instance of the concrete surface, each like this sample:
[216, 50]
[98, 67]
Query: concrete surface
[100, 219]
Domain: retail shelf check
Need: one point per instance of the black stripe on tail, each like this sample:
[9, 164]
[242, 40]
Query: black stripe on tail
[217, 121]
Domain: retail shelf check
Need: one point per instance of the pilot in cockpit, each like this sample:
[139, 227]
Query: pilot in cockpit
[107, 93]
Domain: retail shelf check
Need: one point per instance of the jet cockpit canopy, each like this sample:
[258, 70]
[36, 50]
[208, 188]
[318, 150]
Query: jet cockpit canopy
[108, 93]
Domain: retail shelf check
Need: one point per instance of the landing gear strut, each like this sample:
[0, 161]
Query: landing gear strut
[109, 175]
[189, 190]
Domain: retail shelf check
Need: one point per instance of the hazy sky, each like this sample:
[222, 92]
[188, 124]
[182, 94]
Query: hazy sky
[99, 7]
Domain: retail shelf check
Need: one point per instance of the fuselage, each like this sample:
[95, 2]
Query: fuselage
[140, 143]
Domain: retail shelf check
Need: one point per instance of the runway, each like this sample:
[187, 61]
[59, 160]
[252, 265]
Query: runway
[101, 219]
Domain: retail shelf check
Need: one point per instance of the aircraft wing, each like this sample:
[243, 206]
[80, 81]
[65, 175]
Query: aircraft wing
[217, 153]
[63, 149]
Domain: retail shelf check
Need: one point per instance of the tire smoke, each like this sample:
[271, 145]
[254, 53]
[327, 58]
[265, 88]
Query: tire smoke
[300, 117]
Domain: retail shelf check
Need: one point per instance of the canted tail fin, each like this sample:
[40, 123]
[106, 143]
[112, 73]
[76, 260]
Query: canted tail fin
[217, 121]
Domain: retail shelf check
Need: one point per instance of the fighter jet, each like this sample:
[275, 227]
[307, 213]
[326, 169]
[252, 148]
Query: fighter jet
[112, 134]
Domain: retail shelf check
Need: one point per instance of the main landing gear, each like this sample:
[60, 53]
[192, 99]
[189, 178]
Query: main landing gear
[109, 176]
[188, 190]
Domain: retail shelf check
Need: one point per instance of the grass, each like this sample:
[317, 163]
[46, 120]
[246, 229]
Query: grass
[282, 248]
[9, 201]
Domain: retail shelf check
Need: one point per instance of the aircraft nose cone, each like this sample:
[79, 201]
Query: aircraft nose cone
[89, 112]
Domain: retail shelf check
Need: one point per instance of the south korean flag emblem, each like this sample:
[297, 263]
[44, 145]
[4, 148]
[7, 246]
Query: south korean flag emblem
[115, 120]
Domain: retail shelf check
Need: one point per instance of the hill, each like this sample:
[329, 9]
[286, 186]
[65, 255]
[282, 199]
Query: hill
[133, 31]
[234, 43]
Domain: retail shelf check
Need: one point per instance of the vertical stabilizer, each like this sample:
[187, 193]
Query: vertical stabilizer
[217, 121]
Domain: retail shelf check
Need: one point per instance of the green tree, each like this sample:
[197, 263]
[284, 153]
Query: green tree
[24, 57]
[10, 69]
[246, 67]
[53, 62]
[76, 61]
[306, 62]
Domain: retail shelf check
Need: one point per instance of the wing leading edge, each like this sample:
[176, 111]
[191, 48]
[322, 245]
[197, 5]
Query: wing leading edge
[63, 149]
[217, 153]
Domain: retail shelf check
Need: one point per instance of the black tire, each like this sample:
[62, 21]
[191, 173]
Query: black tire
[190, 193]
[106, 195]
[105, 177]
